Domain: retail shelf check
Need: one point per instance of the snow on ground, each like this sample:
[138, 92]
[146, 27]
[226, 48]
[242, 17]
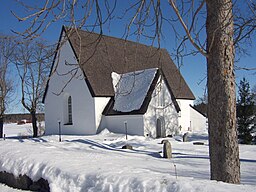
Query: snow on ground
[97, 163]
[4, 188]
[13, 129]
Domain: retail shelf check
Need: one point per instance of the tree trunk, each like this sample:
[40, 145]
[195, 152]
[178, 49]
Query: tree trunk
[34, 123]
[223, 143]
[1, 127]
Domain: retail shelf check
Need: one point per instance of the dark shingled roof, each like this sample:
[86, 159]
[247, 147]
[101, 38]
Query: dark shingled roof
[100, 55]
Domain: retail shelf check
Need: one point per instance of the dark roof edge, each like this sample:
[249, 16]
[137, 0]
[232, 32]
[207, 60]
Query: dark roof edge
[176, 105]
[73, 49]
[186, 98]
[108, 110]
[197, 111]
[192, 97]
[88, 84]
[55, 55]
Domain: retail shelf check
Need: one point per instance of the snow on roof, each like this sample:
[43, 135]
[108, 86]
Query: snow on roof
[131, 89]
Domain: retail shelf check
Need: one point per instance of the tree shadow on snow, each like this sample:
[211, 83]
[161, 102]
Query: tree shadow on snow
[191, 157]
[19, 138]
[39, 140]
[22, 139]
[248, 160]
[108, 147]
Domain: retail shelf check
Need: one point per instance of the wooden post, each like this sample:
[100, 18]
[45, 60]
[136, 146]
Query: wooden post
[125, 125]
[59, 132]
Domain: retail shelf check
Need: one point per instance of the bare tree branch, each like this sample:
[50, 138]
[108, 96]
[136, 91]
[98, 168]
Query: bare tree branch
[32, 60]
[186, 28]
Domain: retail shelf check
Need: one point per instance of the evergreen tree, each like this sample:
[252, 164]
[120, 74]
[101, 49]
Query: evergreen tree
[201, 104]
[245, 112]
[254, 94]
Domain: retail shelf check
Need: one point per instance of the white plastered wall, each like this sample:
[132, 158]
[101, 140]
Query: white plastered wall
[83, 104]
[161, 106]
[198, 121]
[100, 104]
[184, 115]
[116, 124]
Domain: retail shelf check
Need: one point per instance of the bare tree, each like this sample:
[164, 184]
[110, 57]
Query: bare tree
[206, 25]
[32, 60]
[6, 85]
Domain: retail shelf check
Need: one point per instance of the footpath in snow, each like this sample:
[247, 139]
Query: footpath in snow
[97, 163]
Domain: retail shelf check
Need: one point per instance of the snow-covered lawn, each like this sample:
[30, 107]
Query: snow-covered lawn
[97, 163]
[4, 188]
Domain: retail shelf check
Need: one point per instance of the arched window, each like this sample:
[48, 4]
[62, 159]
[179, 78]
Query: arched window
[69, 110]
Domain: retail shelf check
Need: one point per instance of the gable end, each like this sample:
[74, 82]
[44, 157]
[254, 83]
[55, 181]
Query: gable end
[108, 111]
[63, 30]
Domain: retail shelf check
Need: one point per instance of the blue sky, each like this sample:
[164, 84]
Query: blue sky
[193, 70]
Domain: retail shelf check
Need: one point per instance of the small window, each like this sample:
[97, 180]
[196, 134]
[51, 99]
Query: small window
[163, 97]
[69, 110]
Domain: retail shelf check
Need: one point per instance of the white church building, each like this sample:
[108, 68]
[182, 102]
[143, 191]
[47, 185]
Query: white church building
[99, 82]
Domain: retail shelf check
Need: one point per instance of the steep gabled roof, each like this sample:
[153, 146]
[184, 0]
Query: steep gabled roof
[100, 55]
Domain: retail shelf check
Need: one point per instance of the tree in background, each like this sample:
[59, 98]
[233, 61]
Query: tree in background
[201, 104]
[245, 112]
[32, 60]
[254, 94]
[6, 84]
[254, 100]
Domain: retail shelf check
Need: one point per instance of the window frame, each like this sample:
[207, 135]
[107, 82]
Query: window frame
[69, 110]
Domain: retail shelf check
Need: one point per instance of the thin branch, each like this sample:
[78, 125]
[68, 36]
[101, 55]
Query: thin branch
[186, 29]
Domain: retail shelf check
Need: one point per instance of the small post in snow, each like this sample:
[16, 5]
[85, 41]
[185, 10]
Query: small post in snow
[59, 131]
[175, 168]
[125, 126]
[4, 136]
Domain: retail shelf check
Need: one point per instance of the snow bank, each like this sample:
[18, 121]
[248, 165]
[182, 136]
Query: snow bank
[4, 188]
[97, 163]
[131, 89]
[12, 129]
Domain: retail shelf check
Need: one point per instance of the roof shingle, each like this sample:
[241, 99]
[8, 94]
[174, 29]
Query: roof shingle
[100, 55]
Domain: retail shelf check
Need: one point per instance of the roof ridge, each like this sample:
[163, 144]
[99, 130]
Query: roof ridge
[118, 38]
